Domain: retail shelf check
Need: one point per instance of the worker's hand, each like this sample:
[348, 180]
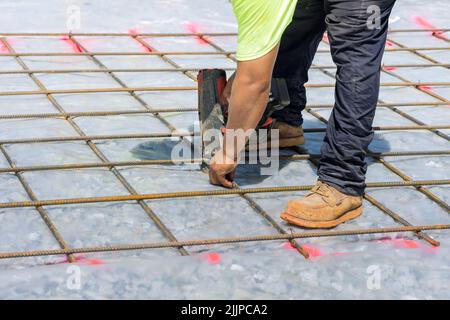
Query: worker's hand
[227, 90]
[222, 170]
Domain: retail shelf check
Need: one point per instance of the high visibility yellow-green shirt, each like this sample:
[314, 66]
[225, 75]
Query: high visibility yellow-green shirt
[261, 24]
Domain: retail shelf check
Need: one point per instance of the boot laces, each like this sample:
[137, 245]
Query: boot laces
[324, 191]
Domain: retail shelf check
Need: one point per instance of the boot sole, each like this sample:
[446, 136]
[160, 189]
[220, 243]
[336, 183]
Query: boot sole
[283, 143]
[322, 224]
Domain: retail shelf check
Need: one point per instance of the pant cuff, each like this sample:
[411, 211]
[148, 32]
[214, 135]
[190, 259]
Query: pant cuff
[293, 119]
[341, 186]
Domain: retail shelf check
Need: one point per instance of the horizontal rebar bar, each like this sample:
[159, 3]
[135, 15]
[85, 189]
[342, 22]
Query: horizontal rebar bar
[229, 240]
[98, 137]
[93, 113]
[186, 194]
[198, 161]
[121, 53]
[386, 104]
[176, 34]
[152, 111]
[53, 71]
[409, 153]
[420, 30]
[394, 128]
[96, 90]
[191, 88]
[404, 65]
[118, 34]
[99, 165]
[180, 53]
[184, 109]
[185, 134]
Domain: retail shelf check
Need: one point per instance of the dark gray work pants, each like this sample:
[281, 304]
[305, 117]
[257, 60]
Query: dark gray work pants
[357, 36]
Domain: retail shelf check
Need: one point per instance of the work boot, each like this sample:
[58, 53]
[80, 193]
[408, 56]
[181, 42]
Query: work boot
[323, 207]
[289, 136]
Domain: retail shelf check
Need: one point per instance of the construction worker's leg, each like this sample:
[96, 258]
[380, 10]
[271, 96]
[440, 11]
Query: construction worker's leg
[357, 32]
[297, 49]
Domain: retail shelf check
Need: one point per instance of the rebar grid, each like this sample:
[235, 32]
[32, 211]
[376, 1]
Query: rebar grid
[243, 192]
[165, 231]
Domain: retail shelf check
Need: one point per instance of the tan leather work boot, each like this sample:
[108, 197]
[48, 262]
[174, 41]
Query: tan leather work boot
[289, 136]
[323, 207]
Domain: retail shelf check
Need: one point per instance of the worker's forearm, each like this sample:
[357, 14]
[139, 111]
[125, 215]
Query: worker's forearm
[247, 104]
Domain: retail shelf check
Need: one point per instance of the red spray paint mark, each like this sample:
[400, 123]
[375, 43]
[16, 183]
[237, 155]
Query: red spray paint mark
[92, 262]
[425, 88]
[422, 22]
[340, 254]
[389, 43]
[325, 38]
[80, 259]
[213, 257]
[288, 246]
[401, 243]
[4, 48]
[75, 47]
[135, 31]
[406, 244]
[432, 250]
[11, 42]
[313, 252]
[194, 28]
[389, 68]
[64, 260]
